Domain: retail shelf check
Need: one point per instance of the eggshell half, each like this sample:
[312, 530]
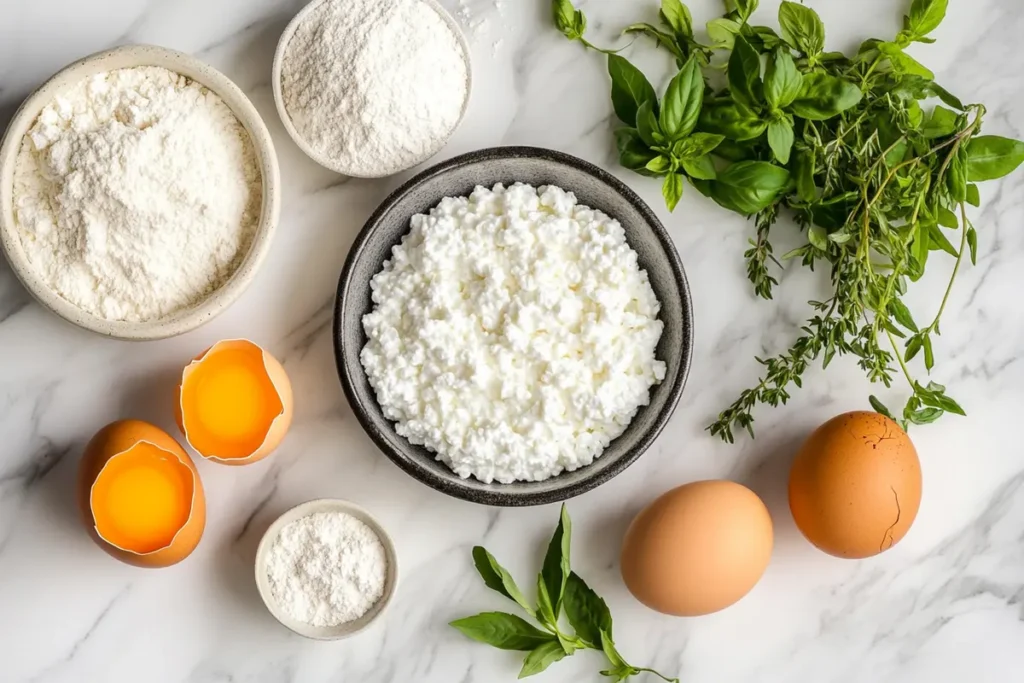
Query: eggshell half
[278, 427]
[855, 485]
[113, 440]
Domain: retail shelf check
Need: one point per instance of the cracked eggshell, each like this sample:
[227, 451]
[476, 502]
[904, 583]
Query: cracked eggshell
[855, 485]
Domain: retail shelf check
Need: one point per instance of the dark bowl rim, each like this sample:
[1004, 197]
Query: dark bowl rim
[498, 498]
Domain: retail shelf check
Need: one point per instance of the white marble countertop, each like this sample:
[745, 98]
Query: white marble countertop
[947, 604]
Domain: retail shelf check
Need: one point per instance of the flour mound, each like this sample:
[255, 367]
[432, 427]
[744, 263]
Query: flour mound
[375, 85]
[136, 194]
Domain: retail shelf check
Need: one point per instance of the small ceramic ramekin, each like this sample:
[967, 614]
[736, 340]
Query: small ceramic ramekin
[340, 631]
[333, 164]
[126, 57]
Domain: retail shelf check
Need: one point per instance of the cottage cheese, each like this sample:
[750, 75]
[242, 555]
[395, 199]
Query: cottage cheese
[513, 333]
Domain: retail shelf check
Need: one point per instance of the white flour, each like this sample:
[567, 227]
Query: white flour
[375, 85]
[326, 569]
[136, 193]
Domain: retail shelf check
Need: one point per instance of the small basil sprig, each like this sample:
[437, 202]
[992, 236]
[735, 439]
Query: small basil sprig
[559, 590]
[661, 140]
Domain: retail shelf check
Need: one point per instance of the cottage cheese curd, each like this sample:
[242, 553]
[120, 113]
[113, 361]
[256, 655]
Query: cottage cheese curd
[513, 333]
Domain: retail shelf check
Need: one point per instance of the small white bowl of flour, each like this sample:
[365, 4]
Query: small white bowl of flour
[369, 88]
[326, 569]
[139, 192]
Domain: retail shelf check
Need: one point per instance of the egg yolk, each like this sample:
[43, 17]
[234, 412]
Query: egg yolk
[229, 403]
[142, 498]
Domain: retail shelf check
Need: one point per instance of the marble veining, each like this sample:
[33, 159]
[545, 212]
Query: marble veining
[945, 605]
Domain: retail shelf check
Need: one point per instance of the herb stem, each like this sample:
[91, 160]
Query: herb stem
[899, 357]
[956, 268]
[659, 675]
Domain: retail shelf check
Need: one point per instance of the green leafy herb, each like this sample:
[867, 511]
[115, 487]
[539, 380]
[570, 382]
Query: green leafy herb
[558, 587]
[875, 177]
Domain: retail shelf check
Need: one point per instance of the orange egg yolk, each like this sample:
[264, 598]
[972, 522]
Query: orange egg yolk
[142, 498]
[228, 403]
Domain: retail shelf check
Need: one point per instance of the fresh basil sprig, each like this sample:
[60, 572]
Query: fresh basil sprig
[874, 176]
[559, 589]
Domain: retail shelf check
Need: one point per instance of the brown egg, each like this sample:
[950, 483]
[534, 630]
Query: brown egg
[698, 548]
[855, 486]
[234, 403]
[140, 495]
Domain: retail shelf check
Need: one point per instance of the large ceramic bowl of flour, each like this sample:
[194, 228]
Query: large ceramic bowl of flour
[393, 220]
[234, 271]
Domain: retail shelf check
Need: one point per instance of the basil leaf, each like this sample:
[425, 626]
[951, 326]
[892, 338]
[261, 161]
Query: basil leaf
[647, 125]
[503, 631]
[802, 28]
[938, 241]
[925, 16]
[804, 163]
[823, 96]
[664, 39]
[732, 120]
[497, 578]
[749, 186]
[745, 73]
[880, 408]
[702, 168]
[942, 123]
[723, 32]
[780, 139]
[545, 606]
[659, 165]
[634, 153]
[956, 175]
[614, 658]
[697, 145]
[818, 238]
[676, 16]
[745, 8]
[902, 63]
[672, 190]
[973, 195]
[565, 18]
[972, 242]
[587, 612]
[555, 571]
[947, 218]
[630, 89]
[541, 658]
[902, 315]
[948, 98]
[926, 415]
[782, 80]
[683, 100]
[990, 157]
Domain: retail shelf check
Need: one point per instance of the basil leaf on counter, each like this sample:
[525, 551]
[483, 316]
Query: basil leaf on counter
[780, 139]
[630, 89]
[697, 145]
[744, 70]
[672, 190]
[676, 16]
[497, 578]
[683, 100]
[541, 658]
[823, 96]
[504, 631]
[732, 120]
[802, 28]
[587, 612]
[749, 186]
[925, 16]
[990, 157]
[940, 124]
[634, 153]
[782, 80]
[647, 125]
[702, 168]
[556, 569]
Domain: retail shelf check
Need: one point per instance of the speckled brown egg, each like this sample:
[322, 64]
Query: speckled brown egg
[698, 548]
[855, 485]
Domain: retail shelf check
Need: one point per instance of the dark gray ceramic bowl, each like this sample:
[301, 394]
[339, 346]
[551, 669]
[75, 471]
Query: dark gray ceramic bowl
[458, 177]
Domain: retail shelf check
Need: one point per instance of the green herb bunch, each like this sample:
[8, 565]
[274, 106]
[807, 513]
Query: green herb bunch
[845, 145]
[558, 589]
